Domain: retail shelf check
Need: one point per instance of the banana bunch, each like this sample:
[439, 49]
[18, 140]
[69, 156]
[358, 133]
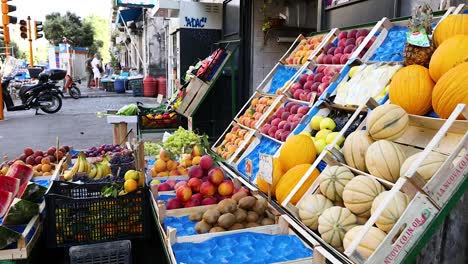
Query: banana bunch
[81, 165]
[99, 171]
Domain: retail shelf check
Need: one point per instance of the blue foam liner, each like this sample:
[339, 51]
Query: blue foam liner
[244, 247]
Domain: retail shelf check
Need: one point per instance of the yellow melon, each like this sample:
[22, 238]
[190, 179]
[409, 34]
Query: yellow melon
[277, 174]
[291, 178]
[299, 149]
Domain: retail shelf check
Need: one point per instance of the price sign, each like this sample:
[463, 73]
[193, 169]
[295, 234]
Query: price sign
[248, 168]
[265, 170]
[159, 99]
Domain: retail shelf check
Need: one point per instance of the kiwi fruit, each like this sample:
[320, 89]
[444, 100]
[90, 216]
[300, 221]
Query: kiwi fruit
[227, 206]
[247, 202]
[237, 226]
[239, 195]
[202, 227]
[267, 221]
[211, 216]
[260, 206]
[251, 224]
[217, 229]
[226, 220]
[252, 217]
[240, 215]
[196, 216]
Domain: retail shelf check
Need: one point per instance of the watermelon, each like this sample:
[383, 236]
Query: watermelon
[9, 184]
[7, 237]
[34, 192]
[5, 201]
[23, 172]
[20, 212]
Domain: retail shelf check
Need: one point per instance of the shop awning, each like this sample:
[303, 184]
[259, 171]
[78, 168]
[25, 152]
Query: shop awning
[130, 14]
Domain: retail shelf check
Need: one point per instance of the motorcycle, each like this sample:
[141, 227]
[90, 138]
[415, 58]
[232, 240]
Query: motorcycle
[44, 95]
[70, 87]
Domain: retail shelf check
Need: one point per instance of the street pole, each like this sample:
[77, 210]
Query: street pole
[1, 103]
[6, 31]
[31, 62]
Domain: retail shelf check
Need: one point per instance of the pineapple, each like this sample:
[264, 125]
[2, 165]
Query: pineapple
[421, 17]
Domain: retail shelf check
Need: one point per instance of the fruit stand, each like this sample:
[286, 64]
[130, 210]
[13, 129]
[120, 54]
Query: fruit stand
[359, 171]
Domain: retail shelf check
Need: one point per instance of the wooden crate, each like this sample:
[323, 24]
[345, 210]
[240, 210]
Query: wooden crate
[294, 47]
[269, 107]
[248, 137]
[265, 85]
[461, 9]
[449, 137]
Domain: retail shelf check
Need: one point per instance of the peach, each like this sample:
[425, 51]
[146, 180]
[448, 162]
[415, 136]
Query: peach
[174, 203]
[165, 155]
[207, 189]
[303, 110]
[164, 187]
[343, 35]
[184, 193]
[28, 151]
[197, 196]
[180, 184]
[194, 184]
[171, 183]
[272, 131]
[206, 162]
[216, 176]
[195, 172]
[226, 188]
[192, 202]
[208, 201]
[352, 33]
[331, 51]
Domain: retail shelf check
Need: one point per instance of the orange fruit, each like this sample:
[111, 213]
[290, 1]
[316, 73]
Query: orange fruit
[46, 168]
[45, 161]
[160, 165]
[130, 185]
[165, 155]
[163, 174]
[196, 160]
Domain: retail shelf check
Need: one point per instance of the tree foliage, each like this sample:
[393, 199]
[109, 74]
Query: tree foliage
[101, 35]
[70, 26]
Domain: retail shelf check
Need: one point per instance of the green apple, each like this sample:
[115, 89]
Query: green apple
[315, 122]
[307, 133]
[322, 134]
[320, 145]
[327, 123]
[155, 182]
[332, 136]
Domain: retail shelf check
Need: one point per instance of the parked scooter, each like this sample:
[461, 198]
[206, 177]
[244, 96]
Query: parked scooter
[44, 95]
[70, 87]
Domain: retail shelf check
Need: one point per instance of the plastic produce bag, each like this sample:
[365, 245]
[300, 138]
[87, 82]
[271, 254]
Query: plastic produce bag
[128, 110]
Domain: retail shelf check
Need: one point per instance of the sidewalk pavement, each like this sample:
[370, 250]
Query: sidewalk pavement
[96, 93]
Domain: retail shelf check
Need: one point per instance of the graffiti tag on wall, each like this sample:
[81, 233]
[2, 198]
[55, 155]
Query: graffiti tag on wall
[195, 22]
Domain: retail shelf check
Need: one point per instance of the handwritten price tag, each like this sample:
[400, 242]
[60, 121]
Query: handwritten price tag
[248, 167]
[265, 170]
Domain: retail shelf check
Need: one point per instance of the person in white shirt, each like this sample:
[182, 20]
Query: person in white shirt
[97, 70]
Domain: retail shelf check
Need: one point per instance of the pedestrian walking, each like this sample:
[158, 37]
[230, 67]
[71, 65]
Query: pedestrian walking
[89, 71]
[97, 70]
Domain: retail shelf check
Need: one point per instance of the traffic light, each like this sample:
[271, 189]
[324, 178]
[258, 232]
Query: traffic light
[6, 9]
[4, 34]
[39, 28]
[24, 29]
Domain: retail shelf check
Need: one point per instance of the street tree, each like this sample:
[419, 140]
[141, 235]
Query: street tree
[70, 26]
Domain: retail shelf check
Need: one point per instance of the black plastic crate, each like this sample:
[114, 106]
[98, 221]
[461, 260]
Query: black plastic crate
[78, 214]
[136, 85]
[116, 252]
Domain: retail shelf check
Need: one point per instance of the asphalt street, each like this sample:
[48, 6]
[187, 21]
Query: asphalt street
[76, 124]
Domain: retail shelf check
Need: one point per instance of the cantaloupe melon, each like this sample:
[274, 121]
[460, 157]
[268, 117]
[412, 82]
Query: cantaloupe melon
[359, 194]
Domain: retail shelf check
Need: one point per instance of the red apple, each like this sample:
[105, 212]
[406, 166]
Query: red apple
[192, 202]
[207, 189]
[271, 118]
[272, 131]
[194, 184]
[308, 85]
[265, 128]
[338, 50]
[51, 151]
[314, 87]
[343, 35]
[336, 59]
[52, 158]
[38, 159]
[309, 96]
[320, 68]
[294, 125]
[311, 77]
[294, 109]
[322, 88]
[370, 43]
[328, 59]
[216, 176]
[306, 91]
[208, 201]
[281, 124]
[362, 32]
[22, 157]
[28, 151]
[318, 77]
[348, 49]
[331, 51]
[278, 134]
[352, 33]
[180, 184]
[206, 162]
[195, 171]
[344, 58]
[297, 93]
[328, 46]
[342, 43]
[285, 135]
[226, 188]
[320, 58]
[326, 79]
[287, 126]
[290, 119]
[303, 96]
[164, 187]
[296, 86]
[303, 78]
[38, 153]
[198, 196]
[287, 106]
[276, 121]
[359, 40]
[173, 203]
[284, 116]
[171, 183]
[298, 117]
[280, 111]
[303, 110]
[350, 41]
[184, 193]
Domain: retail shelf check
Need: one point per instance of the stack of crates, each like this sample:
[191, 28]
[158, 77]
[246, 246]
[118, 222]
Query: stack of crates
[136, 85]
